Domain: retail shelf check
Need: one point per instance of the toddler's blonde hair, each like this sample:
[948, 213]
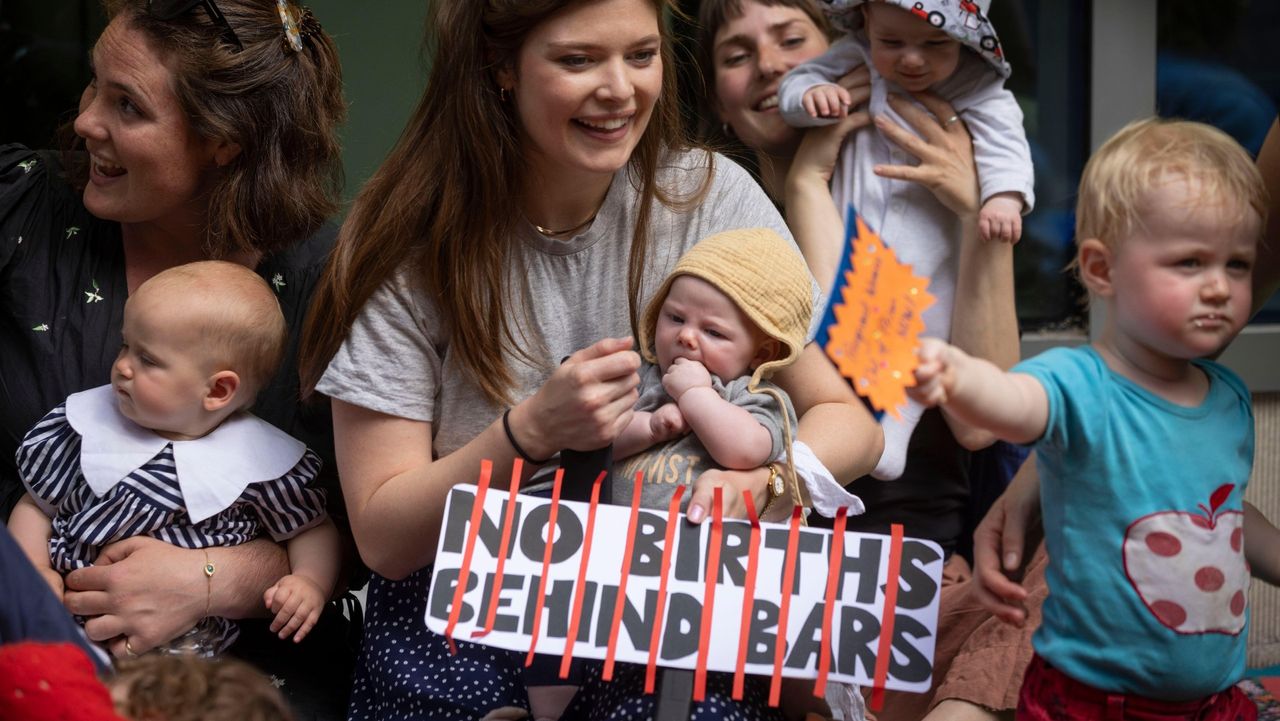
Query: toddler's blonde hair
[1146, 153]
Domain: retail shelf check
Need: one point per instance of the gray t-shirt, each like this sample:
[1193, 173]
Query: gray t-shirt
[396, 359]
[681, 460]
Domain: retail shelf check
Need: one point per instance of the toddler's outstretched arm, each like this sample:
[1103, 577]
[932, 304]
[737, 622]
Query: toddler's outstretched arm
[1013, 406]
[298, 598]
[731, 435]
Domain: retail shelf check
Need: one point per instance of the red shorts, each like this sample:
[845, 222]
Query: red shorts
[1050, 695]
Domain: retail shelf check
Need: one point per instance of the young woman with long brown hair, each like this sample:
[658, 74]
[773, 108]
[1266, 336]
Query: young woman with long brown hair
[539, 194]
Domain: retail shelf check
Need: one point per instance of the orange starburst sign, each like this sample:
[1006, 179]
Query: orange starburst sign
[877, 312]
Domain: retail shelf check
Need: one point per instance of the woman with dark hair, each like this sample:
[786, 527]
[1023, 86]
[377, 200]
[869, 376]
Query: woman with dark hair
[746, 46]
[209, 131]
[542, 190]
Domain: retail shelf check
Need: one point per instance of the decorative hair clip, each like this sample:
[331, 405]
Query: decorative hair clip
[291, 34]
[295, 31]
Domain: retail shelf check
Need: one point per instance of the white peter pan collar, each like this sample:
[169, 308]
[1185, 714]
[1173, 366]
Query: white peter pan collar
[213, 471]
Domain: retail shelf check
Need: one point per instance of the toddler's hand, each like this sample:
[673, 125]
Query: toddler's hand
[1001, 218]
[667, 422]
[297, 602]
[827, 101]
[935, 374]
[684, 374]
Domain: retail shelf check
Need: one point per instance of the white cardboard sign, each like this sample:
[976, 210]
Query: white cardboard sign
[857, 617]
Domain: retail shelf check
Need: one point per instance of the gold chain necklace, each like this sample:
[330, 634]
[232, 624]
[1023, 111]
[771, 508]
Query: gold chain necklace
[556, 233]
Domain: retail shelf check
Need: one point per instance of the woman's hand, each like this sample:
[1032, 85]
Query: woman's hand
[1000, 547]
[944, 148]
[732, 502]
[585, 403]
[140, 589]
[149, 592]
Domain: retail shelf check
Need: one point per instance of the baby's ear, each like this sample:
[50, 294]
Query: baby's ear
[222, 389]
[769, 350]
[1094, 260]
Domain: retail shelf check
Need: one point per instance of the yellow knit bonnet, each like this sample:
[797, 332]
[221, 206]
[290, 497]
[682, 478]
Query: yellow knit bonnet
[762, 274]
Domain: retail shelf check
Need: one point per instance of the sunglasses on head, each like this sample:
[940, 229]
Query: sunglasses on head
[170, 9]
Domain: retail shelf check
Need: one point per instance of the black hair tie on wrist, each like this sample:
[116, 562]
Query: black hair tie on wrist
[506, 427]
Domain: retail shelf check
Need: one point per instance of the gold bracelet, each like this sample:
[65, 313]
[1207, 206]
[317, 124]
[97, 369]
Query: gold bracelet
[208, 577]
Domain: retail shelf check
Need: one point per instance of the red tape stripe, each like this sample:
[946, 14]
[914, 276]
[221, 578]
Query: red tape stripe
[833, 583]
[622, 582]
[709, 595]
[580, 587]
[886, 618]
[788, 580]
[477, 510]
[655, 637]
[748, 596]
[517, 467]
[546, 565]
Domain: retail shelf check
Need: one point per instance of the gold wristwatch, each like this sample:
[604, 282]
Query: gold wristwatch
[777, 487]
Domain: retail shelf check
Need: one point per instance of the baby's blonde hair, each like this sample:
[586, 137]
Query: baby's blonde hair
[1145, 153]
[236, 314]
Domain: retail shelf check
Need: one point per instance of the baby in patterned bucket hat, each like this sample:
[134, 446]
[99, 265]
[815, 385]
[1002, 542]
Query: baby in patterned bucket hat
[950, 48]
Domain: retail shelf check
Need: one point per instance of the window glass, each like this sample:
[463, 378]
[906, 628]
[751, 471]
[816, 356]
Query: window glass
[1047, 45]
[44, 52]
[1216, 64]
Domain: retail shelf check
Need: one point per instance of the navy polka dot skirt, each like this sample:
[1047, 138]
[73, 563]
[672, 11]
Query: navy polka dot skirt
[406, 672]
[623, 698]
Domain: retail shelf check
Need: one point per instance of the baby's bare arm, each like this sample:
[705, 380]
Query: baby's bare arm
[732, 437]
[297, 599]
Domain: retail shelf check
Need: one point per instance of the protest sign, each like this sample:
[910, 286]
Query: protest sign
[691, 580]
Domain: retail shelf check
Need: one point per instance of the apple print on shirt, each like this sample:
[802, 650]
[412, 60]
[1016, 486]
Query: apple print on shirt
[1189, 567]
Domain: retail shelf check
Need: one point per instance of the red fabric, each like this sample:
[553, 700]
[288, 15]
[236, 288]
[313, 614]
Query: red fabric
[51, 682]
[1050, 695]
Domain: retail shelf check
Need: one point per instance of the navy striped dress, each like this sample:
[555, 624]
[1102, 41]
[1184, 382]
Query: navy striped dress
[148, 502]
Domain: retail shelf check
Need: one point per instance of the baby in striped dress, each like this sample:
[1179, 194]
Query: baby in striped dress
[169, 450]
